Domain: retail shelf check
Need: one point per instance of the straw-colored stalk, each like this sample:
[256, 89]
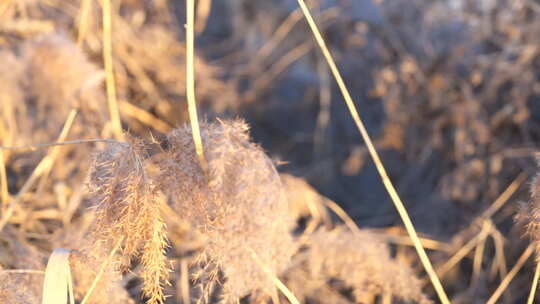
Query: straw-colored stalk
[190, 83]
[375, 156]
[109, 70]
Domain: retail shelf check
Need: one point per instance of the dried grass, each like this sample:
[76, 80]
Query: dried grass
[17, 253]
[304, 201]
[359, 262]
[456, 117]
[127, 211]
[529, 216]
[14, 288]
[240, 207]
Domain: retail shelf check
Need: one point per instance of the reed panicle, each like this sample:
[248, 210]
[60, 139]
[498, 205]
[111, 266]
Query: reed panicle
[358, 261]
[127, 211]
[528, 216]
[240, 207]
[60, 77]
[304, 201]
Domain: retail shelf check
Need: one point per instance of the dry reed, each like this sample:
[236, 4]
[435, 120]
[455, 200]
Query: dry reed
[358, 261]
[240, 208]
[529, 216]
[16, 253]
[127, 211]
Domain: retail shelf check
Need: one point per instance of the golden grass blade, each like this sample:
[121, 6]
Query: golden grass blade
[375, 156]
[500, 264]
[286, 291]
[505, 196]
[278, 36]
[101, 271]
[510, 276]
[396, 239]
[203, 12]
[190, 83]
[281, 33]
[406, 241]
[264, 81]
[477, 262]
[109, 70]
[342, 215]
[56, 150]
[534, 285]
[463, 251]
[184, 281]
[83, 20]
[145, 117]
[44, 165]
[58, 284]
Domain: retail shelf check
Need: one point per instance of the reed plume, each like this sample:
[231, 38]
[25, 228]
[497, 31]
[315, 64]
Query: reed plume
[239, 206]
[60, 77]
[528, 216]
[41, 85]
[304, 201]
[358, 261]
[127, 211]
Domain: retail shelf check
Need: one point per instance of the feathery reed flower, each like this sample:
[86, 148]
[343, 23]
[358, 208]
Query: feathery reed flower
[239, 205]
[360, 261]
[127, 211]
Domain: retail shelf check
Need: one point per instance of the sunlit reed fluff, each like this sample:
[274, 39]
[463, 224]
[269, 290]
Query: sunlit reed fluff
[85, 261]
[41, 84]
[60, 77]
[528, 216]
[360, 262]
[127, 211]
[304, 201]
[239, 205]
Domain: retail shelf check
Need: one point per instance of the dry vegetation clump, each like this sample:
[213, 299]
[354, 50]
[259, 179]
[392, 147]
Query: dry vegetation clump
[49, 78]
[304, 201]
[146, 77]
[16, 253]
[448, 89]
[528, 216]
[239, 205]
[45, 79]
[15, 288]
[127, 215]
[59, 77]
[340, 266]
[474, 79]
